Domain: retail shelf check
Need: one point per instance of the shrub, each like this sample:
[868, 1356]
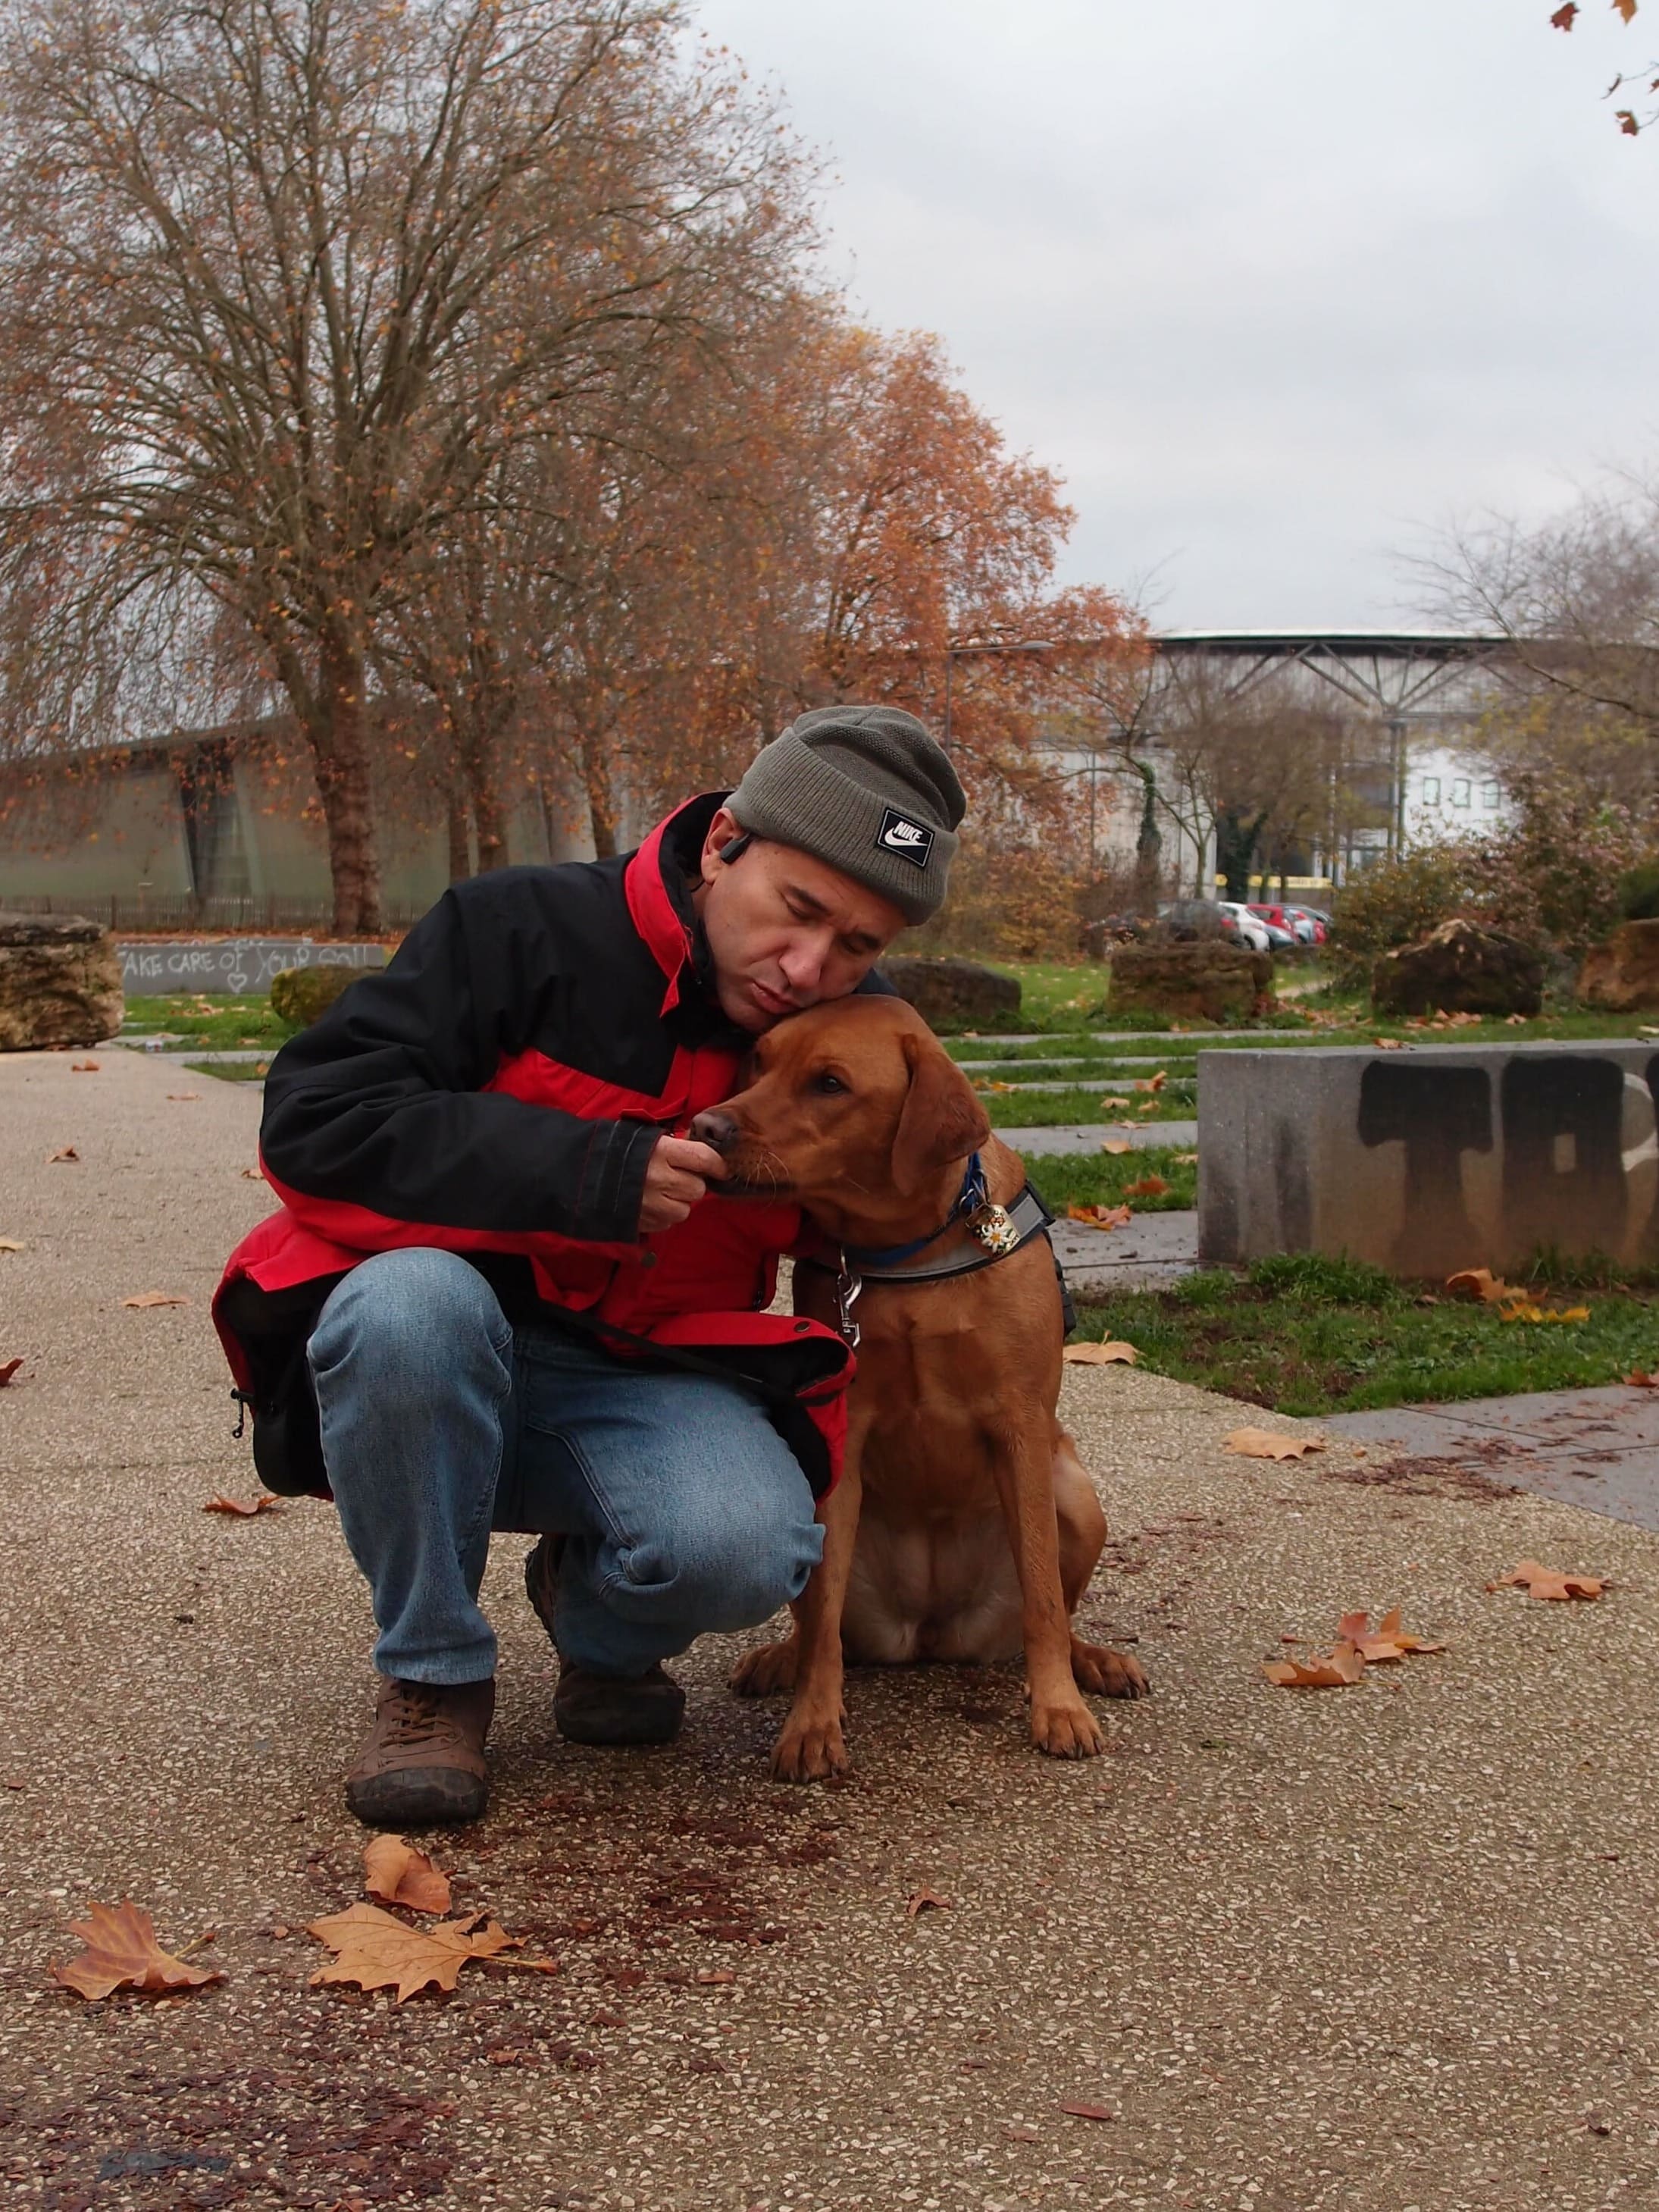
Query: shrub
[1638, 893]
[1395, 903]
[300, 995]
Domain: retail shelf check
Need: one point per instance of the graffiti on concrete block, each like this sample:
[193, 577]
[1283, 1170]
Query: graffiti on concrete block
[1438, 1114]
[229, 967]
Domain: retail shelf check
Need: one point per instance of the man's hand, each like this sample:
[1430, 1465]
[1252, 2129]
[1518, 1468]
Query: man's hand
[679, 1175]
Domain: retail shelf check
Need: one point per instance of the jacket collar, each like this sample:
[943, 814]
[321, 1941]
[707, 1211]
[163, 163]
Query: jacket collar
[657, 881]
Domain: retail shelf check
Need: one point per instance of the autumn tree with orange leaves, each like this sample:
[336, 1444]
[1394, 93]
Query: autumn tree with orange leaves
[262, 273]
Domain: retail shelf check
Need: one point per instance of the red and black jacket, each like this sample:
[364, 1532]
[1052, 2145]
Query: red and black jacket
[497, 1091]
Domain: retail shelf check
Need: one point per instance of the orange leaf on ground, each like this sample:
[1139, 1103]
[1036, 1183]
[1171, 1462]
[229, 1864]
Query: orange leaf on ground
[1150, 1186]
[1387, 1641]
[398, 1875]
[7, 1369]
[10, 1244]
[1089, 2111]
[244, 1511]
[1267, 1444]
[1481, 1283]
[1117, 1146]
[1111, 1354]
[377, 1951]
[1100, 1217]
[1549, 1583]
[1639, 1379]
[1389, 1044]
[183, 1097]
[157, 1298]
[925, 1900]
[253, 1175]
[122, 1954]
[83, 1067]
[1152, 1082]
[63, 1153]
[710, 1976]
[1325, 1670]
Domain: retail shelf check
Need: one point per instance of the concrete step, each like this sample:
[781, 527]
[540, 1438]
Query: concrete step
[1088, 1136]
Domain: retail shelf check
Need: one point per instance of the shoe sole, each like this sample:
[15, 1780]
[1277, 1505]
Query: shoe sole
[418, 1796]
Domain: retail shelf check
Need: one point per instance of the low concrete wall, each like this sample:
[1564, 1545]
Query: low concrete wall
[1431, 1158]
[227, 967]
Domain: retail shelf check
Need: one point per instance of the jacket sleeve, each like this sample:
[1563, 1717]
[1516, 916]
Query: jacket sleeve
[380, 1105]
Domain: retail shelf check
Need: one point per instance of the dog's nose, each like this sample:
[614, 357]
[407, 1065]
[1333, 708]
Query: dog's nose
[714, 1127]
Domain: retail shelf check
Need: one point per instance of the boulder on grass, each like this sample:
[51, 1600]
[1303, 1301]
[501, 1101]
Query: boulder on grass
[1460, 969]
[1205, 981]
[1622, 976]
[952, 993]
[60, 983]
[300, 995]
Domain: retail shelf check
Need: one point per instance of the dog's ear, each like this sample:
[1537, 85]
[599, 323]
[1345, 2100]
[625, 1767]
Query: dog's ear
[942, 1119]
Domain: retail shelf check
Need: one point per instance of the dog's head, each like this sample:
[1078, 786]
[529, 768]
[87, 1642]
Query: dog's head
[852, 1103]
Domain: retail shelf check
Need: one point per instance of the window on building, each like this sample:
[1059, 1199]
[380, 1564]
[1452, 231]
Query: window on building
[1431, 791]
[1461, 792]
[1490, 797]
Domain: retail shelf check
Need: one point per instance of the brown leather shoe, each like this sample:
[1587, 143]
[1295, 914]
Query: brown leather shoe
[590, 1708]
[424, 1758]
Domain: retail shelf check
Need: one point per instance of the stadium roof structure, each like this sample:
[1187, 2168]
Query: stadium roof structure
[1392, 673]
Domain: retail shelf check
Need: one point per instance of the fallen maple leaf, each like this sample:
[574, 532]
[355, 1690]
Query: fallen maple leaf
[122, 1954]
[1380, 1645]
[1268, 1443]
[7, 1369]
[1089, 2111]
[83, 1067]
[377, 1951]
[63, 1153]
[1525, 1310]
[1639, 1379]
[927, 1900]
[992, 1084]
[253, 1175]
[1100, 1217]
[1111, 1354]
[157, 1298]
[708, 1977]
[183, 1097]
[1548, 1582]
[1186, 1159]
[1153, 1082]
[1480, 1283]
[1388, 1044]
[1325, 1670]
[10, 1244]
[398, 1875]
[1117, 1146]
[264, 1503]
[1150, 1186]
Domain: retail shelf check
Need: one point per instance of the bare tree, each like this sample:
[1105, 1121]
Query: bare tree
[262, 268]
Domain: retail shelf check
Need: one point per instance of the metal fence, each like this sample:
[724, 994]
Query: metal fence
[129, 913]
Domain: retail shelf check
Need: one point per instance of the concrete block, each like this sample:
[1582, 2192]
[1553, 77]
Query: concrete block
[1432, 1157]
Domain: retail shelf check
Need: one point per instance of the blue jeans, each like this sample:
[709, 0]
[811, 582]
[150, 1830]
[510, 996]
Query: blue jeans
[683, 1509]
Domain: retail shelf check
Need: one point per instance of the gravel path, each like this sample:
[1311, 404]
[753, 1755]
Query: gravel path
[1354, 1950]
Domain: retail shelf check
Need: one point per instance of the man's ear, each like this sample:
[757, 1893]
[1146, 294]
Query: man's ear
[942, 1121]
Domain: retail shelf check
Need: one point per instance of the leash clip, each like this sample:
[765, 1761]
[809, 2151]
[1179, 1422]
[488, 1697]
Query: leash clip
[850, 1286]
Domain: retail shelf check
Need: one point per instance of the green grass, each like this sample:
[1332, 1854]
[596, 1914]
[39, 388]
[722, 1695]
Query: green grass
[1049, 1109]
[1308, 1336]
[1099, 1179]
[219, 1024]
[230, 1071]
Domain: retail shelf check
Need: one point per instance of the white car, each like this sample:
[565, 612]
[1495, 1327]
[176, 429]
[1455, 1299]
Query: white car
[1249, 928]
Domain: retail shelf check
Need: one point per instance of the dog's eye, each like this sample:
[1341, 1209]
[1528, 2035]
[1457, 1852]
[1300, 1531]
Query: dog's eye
[829, 1086]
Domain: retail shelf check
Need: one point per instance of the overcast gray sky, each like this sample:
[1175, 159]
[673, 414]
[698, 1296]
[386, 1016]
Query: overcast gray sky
[1274, 284]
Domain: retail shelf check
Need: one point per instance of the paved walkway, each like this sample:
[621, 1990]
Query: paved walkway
[1598, 1448]
[1345, 1952]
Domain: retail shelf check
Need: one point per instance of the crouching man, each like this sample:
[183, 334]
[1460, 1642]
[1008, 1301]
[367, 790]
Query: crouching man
[497, 1295]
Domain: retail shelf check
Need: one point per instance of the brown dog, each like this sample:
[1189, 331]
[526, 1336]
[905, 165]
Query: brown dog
[964, 1527]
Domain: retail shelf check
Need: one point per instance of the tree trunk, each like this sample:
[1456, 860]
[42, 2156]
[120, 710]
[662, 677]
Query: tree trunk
[486, 814]
[1149, 842]
[1235, 841]
[601, 805]
[460, 848]
[339, 738]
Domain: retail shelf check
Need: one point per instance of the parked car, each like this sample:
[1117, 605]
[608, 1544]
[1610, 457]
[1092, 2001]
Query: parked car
[1246, 928]
[1280, 935]
[1300, 915]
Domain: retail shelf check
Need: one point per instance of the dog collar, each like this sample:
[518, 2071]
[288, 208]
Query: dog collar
[1009, 1227]
[973, 1202]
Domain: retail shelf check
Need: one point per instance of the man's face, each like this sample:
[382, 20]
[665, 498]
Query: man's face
[785, 930]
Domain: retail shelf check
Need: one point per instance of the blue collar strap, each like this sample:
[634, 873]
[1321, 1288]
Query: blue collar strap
[969, 1199]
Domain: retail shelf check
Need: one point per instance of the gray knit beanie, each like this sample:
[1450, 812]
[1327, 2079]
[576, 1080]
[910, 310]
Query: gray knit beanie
[865, 789]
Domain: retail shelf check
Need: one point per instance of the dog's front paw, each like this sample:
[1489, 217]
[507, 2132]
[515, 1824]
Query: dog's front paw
[810, 1749]
[1067, 1731]
[764, 1673]
[1105, 1673]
